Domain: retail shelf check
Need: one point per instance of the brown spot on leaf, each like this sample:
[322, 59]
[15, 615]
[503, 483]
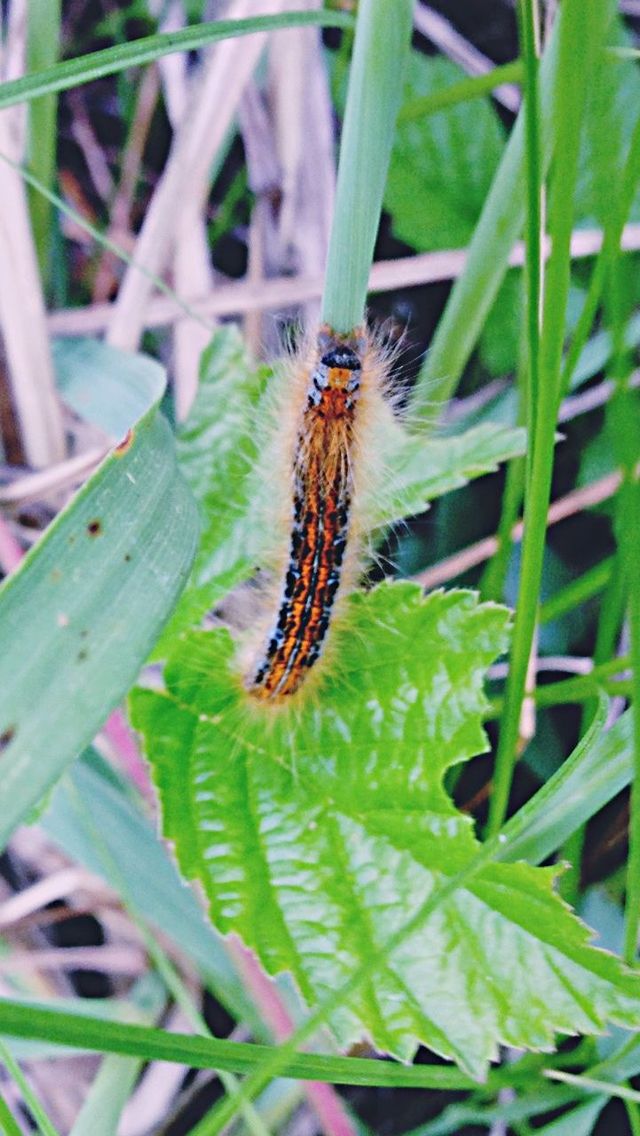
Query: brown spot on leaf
[94, 528]
[127, 557]
[125, 444]
[6, 737]
[83, 655]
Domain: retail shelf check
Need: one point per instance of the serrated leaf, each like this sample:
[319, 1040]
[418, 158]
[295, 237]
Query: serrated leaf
[318, 835]
[442, 165]
[80, 614]
[424, 469]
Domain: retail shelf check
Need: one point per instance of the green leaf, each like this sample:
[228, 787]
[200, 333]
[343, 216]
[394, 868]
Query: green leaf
[426, 468]
[441, 165]
[318, 834]
[106, 386]
[82, 611]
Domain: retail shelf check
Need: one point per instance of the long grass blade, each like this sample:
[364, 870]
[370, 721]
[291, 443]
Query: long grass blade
[111, 60]
[580, 25]
[375, 89]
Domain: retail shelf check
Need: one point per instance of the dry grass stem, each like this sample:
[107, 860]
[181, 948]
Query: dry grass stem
[119, 231]
[301, 106]
[35, 486]
[584, 498]
[45, 891]
[192, 273]
[22, 311]
[264, 176]
[237, 298]
[571, 664]
[152, 1100]
[212, 106]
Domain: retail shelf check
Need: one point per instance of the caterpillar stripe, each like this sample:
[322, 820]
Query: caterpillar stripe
[321, 517]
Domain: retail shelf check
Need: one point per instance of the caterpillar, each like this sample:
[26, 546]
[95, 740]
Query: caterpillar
[337, 388]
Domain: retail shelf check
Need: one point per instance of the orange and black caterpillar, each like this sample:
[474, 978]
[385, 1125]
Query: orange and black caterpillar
[326, 439]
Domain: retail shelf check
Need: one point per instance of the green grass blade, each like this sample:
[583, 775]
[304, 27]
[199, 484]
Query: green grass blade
[591, 1085]
[375, 88]
[83, 610]
[8, 1123]
[599, 767]
[577, 591]
[45, 1127]
[528, 22]
[631, 557]
[43, 39]
[111, 60]
[475, 87]
[116, 1077]
[613, 227]
[22, 1019]
[497, 230]
[109, 1088]
[576, 26]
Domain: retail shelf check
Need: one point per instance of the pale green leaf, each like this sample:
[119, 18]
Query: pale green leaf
[422, 469]
[82, 611]
[317, 835]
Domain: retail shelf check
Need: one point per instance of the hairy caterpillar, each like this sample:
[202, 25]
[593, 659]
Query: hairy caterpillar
[338, 390]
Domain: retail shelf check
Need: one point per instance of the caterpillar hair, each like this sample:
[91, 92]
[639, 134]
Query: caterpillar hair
[337, 391]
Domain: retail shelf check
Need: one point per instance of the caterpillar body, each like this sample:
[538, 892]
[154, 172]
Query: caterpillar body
[338, 385]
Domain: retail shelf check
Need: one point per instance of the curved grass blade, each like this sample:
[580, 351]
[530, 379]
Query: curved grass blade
[147, 49]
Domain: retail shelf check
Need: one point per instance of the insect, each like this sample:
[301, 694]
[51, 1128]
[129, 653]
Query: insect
[336, 388]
